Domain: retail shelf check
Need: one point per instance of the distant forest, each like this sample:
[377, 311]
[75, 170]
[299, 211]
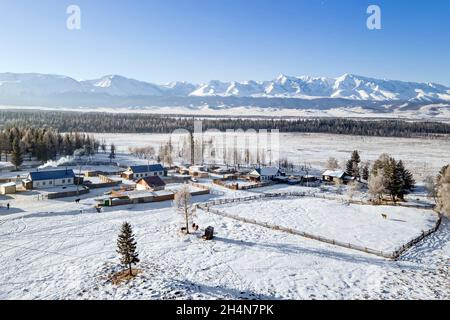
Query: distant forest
[149, 123]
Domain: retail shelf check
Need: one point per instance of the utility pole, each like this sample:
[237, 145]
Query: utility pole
[78, 181]
[191, 136]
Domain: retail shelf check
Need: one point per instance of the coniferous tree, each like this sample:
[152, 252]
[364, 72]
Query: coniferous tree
[112, 153]
[349, 167]
[126, 247]
[352, 167]
[355, 157]
[16, 158]
[365, 172]
[393, 179]
[406, 178]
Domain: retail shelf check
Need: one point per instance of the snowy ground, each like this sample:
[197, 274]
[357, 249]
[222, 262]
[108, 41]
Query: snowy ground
[360, 225]
[57, 249]
[51, 251]
[433, 112]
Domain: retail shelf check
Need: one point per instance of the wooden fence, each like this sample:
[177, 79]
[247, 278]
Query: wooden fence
[237, 186]
[66, 194]
[389, 255]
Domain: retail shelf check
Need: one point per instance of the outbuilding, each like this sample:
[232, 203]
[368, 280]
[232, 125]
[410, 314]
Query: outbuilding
[8, 188]
[154, 183]
[336, 176]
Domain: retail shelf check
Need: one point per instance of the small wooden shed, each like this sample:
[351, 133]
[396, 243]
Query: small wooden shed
[8, 188]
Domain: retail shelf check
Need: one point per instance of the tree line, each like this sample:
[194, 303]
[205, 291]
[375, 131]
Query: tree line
[43, 144]
[149, 123]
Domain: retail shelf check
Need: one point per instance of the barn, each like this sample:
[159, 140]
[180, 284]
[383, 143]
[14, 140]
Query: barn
[8, 188]
[48, 179]
[338, 176]
[154, 183]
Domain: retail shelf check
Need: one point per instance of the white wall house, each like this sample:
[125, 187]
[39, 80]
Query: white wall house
[49, 179]
[144, 171]
[265, 174]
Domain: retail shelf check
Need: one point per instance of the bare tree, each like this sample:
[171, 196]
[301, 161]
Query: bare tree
[444, 192]
[377, 185]
[353, 188]
[431, 187]
[182, 204]
[339, 185]
[332, 164]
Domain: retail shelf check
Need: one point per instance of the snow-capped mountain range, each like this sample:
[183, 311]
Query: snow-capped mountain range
[348, 86]
[345, 96]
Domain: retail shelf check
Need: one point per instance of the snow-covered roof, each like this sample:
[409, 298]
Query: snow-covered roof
[52, 175]
[146, 168]
[265, 171]
[197, 168]
[334, 173]
[152, 182]
[9, 184]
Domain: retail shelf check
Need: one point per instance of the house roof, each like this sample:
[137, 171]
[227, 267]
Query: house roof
[266, 171]
[152, 182]
[146, 168]
[51, 175]
[9, 184]
[197, 168]
[334, 173]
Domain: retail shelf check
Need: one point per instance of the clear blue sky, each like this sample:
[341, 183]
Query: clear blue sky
[200, 40]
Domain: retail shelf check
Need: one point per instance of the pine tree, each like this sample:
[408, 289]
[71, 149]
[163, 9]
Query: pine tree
[126, 247]
[16, 159]
[112, 154]
[352, 167]
[349, 167]
[394, 183]
[407, 180]
[365, 172]
[355, 157]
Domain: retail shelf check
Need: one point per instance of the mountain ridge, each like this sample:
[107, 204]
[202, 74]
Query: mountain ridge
[347, 86]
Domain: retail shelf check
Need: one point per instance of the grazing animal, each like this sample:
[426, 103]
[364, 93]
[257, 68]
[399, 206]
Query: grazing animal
[78, 200]
[384, 216]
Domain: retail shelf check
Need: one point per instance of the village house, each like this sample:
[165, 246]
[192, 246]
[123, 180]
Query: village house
[337, 176]
[154, 183]
[198, 171]
[143, 171]
[265, 174]
[49, 179]
[8, 188]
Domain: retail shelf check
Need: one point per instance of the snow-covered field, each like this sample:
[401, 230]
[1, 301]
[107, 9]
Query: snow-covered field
[57, 249]
[360, 225]
[66, 255]
[51, 251]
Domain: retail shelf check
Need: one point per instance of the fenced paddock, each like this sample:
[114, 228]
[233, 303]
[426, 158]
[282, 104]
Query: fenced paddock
[381, 231]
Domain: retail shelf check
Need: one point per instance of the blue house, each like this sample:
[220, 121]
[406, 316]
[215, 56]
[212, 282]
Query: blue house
[48, 179]
[143, 171]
